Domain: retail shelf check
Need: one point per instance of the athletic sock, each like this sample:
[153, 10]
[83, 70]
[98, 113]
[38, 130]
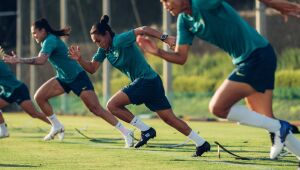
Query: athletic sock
[2, 125]
[137, 122]
[196, 138]
[122, 128]
[54, 121]
[293, 144]
[245, 116]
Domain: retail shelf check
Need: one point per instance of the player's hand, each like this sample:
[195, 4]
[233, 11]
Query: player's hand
[286, 8]
[74, 52]
[171, 41]
[147, 45]
[11, 59]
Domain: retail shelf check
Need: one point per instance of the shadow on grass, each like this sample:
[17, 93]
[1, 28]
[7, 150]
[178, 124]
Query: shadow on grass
[267, 163]
[19, 166]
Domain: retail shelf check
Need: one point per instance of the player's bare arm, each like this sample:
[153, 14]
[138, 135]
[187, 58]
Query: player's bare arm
[89, 66]
[14, 59]
[148, 31]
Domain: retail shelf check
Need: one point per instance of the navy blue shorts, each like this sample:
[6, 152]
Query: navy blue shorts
[258, 70]
[149, 92]
[19, 95]
[81, 83]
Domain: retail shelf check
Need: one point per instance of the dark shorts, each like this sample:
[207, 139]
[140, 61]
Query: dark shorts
[81, 83]
[19, 95]
[149, 92]
[258, 70]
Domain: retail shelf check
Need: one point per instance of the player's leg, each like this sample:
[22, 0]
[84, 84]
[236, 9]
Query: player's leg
[261, 103]
[117, 106]
[21, 97]
[230, 93]
[3, 129]
[83, 87]
[50, 89]
[29, 108]
[169, 117]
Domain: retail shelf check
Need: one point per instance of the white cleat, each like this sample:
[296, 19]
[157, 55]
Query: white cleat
[277, 146]
[55, 131]
[279, 139]
[129, 139]
[4, 132]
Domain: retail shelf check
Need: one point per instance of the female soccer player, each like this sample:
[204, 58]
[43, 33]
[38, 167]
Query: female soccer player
[70, 77]
[12, 90]
[217, 22]
[146, 87]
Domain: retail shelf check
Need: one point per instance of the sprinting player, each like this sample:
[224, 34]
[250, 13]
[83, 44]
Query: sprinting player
[70, 77]
[146, 86]
[217, 22]
[13, 90]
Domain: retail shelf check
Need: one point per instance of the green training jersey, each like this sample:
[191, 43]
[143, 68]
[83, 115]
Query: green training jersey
[126, 56]
[216, 22]
[66, 68]
[8, 81]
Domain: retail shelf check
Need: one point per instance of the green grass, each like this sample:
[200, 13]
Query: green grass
[24, 149]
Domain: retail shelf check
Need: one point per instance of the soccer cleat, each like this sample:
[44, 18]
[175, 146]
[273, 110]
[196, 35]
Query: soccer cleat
[145, 136]
[55, 131]
[279, 139]
[129, 139]
[4, 132]
[294, 129]
[201, 149]
[272, 136]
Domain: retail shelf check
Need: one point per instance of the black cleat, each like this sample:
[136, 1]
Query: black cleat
[145, 136]
[294, 129]
[201, 149]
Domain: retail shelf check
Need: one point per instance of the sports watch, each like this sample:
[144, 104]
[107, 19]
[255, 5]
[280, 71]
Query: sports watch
[163, 37]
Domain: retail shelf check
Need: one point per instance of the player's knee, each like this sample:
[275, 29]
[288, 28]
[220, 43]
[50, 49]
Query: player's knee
[111, 106]
[217, 110]
[38, 98]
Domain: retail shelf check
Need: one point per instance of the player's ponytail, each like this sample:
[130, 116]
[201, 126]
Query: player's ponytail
[102, 26]
[43, 23]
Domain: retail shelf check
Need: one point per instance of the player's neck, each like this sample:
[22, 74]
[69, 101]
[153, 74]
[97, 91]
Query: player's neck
[186, 6]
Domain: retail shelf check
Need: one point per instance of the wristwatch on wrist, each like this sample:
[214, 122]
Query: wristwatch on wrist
[163, 37]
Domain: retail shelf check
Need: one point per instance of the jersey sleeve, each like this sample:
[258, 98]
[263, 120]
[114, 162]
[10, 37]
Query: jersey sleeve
[99, 56]
[48, 46]
[184, 36]
[124, 39]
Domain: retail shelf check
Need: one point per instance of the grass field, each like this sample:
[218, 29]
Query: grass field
[24, 149]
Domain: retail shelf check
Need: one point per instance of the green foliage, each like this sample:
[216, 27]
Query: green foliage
[287, 78]
[119, 83]
[187, 84]
[289, 59]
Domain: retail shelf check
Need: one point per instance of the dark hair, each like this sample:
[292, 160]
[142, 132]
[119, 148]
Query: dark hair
[43, 23]
[102, 26]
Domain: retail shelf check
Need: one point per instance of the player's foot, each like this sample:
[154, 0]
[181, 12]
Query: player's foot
[129, 139]
[4, 132]
[145, 136]
[201, 149]
[59, 131]
[279, 139]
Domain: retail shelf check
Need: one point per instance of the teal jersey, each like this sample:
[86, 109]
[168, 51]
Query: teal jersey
[216, 22]
[127, 57]
[8, 81]
[66, 68]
